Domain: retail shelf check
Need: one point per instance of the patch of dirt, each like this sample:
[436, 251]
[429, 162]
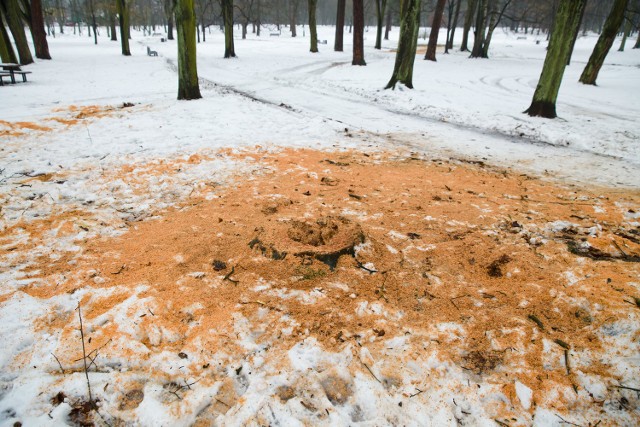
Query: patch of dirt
[427, 245]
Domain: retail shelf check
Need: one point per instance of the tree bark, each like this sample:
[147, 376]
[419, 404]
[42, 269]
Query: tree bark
[293, 16]
[358, 33]
[546, 93]
[227, 15]
[478, 40]
[387, 29]
[112, 24]
[605, 41]
[456, 14]
[168, 10]
[637, 45]
[381, 6]
[188, 87]
[625, 35]
[123, 16]
[13, 15]
[93, 23]
[575, 35]
[339, 43]
[435, 30]
[407, 44]
[38, 32]
[468, 19]
[312, 26]
[7, 54]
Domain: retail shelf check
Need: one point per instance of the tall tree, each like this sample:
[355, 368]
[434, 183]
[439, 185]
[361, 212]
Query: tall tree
[7, 54]
[407, 44]
[546, 93]
[451, 25]
[381, 6]
[112, 25]
[37, 31]
[188, 87]
[625, 34]
[14, 18]
[358, 33]
[123, 16]
[293, 16]
[605, 41]
[435, 29]
[313, 32]
[227, 14]
[168, 10]
[338, 46]
[93, 22]
[481, 17]
[468, 19]
[387, 28]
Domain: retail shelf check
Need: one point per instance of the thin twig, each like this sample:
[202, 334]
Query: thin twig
[228, 276]
[415, 394]
[568, 422]
[59, 364]
[371, 372]
[84, 354]
[627, 388]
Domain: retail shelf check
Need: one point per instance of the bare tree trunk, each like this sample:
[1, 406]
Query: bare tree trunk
[435, 29]
[358, 33]
[575, 35]
[381, 5]
[112, 24]
[456, 14]
[627, 30]
[13, 15]
[168, 10]
[123, 13]
[188, 87]
[227, 16]
[7, 54]
[605, 41]
[387, 29]
[37, 31]
[468, 19]
[546, 94]
[93, 23]
[406, 54]
[293, 16]
[339, 43]
[312, 26]
[478, 41]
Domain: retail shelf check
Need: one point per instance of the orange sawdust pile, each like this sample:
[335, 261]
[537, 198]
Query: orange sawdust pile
[20, 128]
[353, 246]
[72, 115]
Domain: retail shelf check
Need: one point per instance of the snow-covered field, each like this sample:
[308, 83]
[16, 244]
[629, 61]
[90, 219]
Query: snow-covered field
[77, 163]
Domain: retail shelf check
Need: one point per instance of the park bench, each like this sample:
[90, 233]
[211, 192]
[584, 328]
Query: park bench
[322, 41]
[4, 74]
[11, 70]
[151, 52]
[275, 34]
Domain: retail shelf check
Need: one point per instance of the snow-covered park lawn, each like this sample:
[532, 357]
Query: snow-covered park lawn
[302, 247]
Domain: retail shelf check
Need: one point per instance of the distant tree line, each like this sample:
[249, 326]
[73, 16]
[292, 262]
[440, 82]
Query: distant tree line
[557, 21]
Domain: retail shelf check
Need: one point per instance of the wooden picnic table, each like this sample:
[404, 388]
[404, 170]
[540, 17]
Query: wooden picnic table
[10, 70]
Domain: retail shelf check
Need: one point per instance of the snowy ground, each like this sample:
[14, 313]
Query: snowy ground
[76, 165]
